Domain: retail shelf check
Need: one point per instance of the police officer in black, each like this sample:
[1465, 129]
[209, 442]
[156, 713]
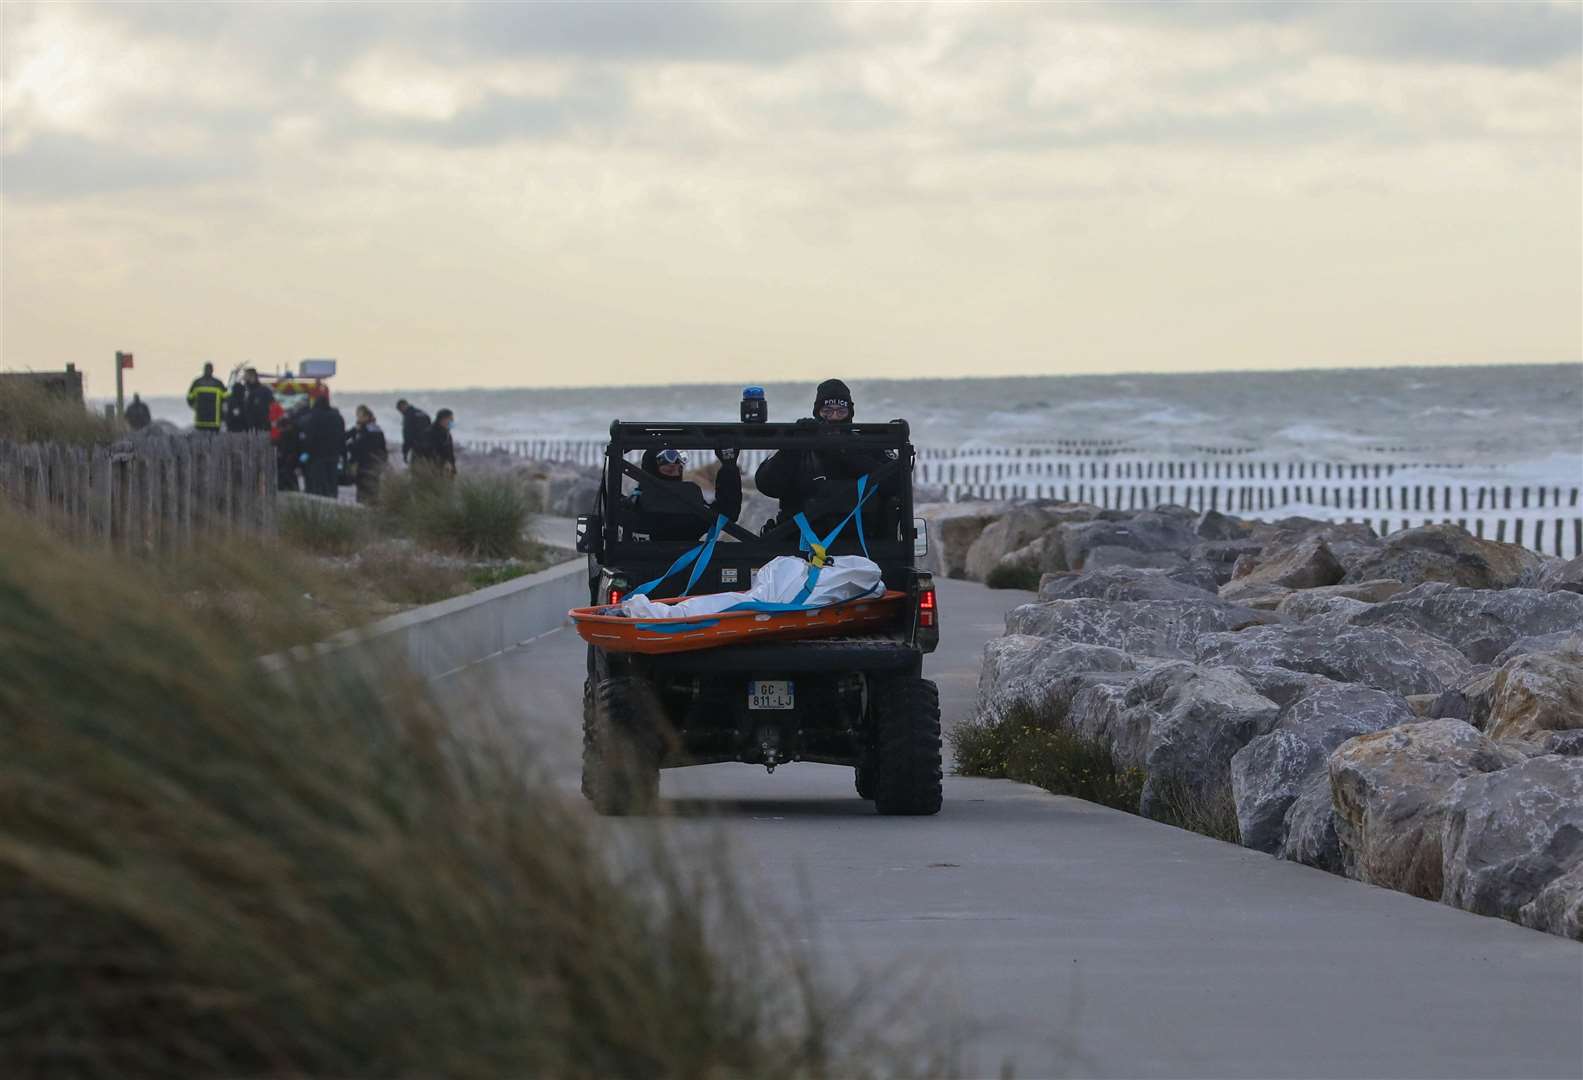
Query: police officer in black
[206, 396]
[258, 401]
[656, 517]
[821, 482]
[365, 449]
[415, 426]
[236, 407]
[322, 439]
[137, 415]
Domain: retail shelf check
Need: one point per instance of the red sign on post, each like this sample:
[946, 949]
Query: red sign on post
[125, 358]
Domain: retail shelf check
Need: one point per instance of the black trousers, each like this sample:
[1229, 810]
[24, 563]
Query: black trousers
[321, 478]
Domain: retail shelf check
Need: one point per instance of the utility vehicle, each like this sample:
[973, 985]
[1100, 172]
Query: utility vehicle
[858, 700]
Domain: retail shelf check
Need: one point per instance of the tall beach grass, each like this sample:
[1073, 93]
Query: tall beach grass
[208, 870]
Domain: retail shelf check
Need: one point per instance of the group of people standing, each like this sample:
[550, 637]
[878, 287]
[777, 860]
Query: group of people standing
[315, 450]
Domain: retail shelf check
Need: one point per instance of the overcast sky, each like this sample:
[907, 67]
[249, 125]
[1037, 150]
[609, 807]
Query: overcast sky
[451, 195]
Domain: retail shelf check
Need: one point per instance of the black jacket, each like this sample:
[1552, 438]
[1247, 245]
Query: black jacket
[660, 518]
[236, 408]
[415, 425]
[823, 483]
[206, 395]
[435, 447]
[322, 433]
[259, 399]
[137, 416]
[365, 447]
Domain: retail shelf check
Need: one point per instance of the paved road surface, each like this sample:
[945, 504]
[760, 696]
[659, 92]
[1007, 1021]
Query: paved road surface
[1079, 941]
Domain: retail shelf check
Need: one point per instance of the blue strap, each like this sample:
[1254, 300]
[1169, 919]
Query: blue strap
[675, 627]
[699, 555]
[708, 553]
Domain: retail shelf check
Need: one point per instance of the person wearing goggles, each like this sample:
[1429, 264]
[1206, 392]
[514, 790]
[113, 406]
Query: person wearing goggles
[664, 518]
[801, 479]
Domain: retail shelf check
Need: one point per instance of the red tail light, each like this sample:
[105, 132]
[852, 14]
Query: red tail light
[926, 608]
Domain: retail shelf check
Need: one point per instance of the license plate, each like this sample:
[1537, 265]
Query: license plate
[770, 694]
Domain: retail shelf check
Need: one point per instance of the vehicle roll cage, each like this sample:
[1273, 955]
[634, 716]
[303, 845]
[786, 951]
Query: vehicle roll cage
[627, 436]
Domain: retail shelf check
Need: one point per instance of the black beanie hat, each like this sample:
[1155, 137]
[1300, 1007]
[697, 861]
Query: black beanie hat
[833, 390]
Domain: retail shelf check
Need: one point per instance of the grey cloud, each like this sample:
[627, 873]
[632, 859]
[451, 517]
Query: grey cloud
[336, 34]
[757, 33]
[58, 166]
[1500, 34]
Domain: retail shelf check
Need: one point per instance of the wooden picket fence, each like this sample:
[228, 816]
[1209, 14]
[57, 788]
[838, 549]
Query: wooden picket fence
[147, 493]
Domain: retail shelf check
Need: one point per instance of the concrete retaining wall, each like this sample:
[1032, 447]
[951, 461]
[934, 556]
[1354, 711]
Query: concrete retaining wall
[437, 639]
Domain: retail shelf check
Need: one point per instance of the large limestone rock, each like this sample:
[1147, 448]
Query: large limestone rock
[1559, 576]
[1558, 909]
[1350, 542]
[1399, 662]
[1305, 564]
[952, 529]
[1110, 556]
[1392, 791]
[1331, 612]
[1270, 772]
[1179, 722]
[1309, 831]
[1039, 675]
[1222, 556]
[1212, 525]
[1509, 834]
[1535, 695]
[1150, 531]
[1451, 554]
[1126, 583]
[1480, 622]
[1160, 628]
[1367, 592]
[1560, 641]
[1017, 528]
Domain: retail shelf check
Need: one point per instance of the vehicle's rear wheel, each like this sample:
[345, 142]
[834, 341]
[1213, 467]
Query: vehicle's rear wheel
[907, 767]
[864, 777]
[622, 746]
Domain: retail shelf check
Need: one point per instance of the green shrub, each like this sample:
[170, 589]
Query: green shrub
[210, 869]
[1008, 576]
[1035, 747]
[1212, 813]
[404, 577]
[484, 517]
[323, 527]
[30, 413]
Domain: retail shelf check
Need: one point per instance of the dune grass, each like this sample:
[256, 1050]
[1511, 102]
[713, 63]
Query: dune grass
[323, 527]
[484, 517]
[210, 870]
[1006, 576]
[29, 414]
[1034, 746]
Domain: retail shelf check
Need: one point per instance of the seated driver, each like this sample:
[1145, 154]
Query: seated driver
[657, 517]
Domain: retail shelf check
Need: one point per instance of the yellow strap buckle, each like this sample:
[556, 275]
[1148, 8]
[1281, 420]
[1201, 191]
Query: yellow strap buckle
[819, 555]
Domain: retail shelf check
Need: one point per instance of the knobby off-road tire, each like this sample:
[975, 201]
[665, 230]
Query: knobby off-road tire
[622, 746]
[863, 778]
[907, 764]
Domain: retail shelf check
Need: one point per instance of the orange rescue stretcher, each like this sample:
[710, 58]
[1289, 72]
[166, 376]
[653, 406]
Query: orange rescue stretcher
[618, 633]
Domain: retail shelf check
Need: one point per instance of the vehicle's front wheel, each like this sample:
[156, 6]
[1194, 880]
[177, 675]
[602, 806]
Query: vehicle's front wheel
[907, 768]
[622, 746]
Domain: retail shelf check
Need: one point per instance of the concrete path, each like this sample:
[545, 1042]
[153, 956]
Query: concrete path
[1072, 940]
